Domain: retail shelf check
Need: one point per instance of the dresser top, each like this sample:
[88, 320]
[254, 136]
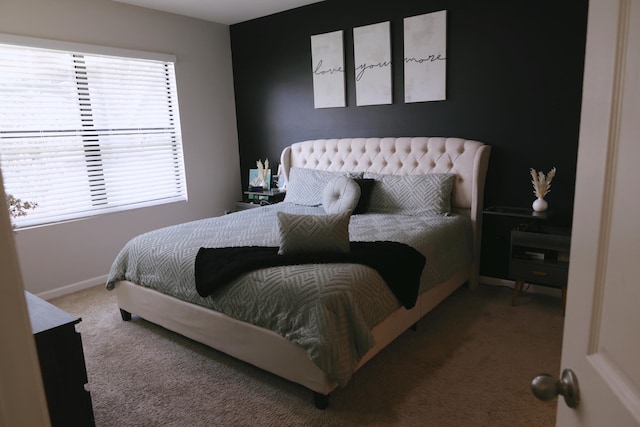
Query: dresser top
[45, 316]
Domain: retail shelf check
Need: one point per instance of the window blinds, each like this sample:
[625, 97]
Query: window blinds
[83, 134]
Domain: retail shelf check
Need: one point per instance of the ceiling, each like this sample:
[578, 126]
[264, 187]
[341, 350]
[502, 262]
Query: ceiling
[221, 11]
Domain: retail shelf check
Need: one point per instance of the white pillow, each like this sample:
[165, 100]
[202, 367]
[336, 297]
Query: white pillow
[305, 186]
[313, 233]
[428, 194]
[340, 194]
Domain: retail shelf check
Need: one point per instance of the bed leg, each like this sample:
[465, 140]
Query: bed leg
[126, 316]
[320, 400]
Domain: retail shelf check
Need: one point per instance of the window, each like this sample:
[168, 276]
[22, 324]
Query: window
[88, 133]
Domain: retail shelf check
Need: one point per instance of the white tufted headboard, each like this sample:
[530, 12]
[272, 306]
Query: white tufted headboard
[404, 156]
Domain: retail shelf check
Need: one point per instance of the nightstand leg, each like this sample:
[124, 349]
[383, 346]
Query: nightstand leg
[516, 290]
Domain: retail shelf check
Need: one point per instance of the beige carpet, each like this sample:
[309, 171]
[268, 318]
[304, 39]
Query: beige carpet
[469, 364]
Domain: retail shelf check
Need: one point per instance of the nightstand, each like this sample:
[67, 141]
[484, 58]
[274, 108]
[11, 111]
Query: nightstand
[518, 244]
[497, 223]
[241, 206]
[264, 197]
[257, 199]
[540, 257]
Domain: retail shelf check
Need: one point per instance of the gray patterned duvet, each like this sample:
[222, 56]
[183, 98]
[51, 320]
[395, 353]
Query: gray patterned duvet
[328, 309]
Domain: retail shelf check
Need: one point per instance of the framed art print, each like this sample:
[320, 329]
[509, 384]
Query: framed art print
[327, 60]
[372, 59]
[425, 57]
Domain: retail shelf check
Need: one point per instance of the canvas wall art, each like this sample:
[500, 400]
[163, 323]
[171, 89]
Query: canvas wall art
[327, 57]
[372, 59]
[425, 58]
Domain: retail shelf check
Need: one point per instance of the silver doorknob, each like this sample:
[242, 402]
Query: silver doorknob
[546, 388]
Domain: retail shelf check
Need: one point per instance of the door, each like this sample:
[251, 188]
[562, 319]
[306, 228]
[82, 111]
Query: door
[22, 397]
[602, 325]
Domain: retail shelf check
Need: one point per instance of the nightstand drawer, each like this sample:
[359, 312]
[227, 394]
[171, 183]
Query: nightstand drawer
[240, 206]
[552, 242]
[539, 272]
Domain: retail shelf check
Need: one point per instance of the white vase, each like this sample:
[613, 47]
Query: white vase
[540, 205]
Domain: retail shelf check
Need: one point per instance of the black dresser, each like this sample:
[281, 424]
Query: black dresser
[62, 363]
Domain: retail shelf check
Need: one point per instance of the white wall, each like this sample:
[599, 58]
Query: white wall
[65, 257]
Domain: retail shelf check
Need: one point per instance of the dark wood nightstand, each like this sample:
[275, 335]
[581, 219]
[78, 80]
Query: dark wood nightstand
[540, 257]
[497, 223]
[256, 199]
[62, 365]
[264, 197]
[518, 244]
[241, 206]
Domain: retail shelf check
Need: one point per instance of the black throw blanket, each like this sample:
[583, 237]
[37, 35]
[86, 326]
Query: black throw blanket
[399, 265]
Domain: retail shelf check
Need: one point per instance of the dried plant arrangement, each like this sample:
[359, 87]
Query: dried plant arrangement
[259, 178]
[542, 183]
[263, 170]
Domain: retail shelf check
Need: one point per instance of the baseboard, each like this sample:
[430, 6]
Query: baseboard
[74, 287]
[535, 289]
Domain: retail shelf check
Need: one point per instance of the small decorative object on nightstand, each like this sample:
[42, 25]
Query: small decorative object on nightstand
[279, 180]
[260, 178]
[541, 187]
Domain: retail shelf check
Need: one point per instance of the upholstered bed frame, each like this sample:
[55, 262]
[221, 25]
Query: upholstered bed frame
[267, 350]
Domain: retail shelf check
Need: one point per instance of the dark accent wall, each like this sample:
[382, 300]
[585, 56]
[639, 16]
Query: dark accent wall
[514, 81]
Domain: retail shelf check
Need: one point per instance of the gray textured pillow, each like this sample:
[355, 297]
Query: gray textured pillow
[340, 194]
[313, 233]
[305, 186]
[428, 194]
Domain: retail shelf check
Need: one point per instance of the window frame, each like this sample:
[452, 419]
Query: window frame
[86, 49]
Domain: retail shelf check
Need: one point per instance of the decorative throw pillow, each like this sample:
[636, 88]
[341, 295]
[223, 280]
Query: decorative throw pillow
[428, 194]
[305, 186]
[340, 194]
[313, 233]
[366, 187]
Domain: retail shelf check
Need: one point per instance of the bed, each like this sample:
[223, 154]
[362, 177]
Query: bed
[316, 323]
